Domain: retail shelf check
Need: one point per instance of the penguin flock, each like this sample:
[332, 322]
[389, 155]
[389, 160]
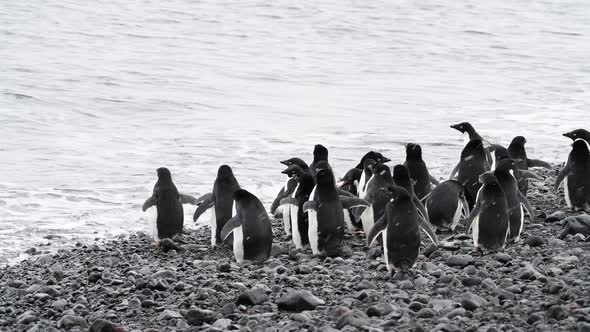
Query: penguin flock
[487, 189]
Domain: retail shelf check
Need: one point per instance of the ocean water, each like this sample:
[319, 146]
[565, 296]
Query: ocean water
[95, 96]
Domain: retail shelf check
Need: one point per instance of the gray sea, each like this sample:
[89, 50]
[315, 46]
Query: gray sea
[96, 95]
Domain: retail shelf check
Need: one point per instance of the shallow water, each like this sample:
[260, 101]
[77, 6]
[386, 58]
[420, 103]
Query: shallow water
[96, 96]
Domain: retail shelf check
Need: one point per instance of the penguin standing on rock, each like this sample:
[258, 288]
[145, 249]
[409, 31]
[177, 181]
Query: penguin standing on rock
[518, 153]
[381, 178]
[472, 164]
[489, 220]
[447, 204]
[293, 205]
[418, 171]
[164, 207]
[471, 134]
[290, 184]
[576, 177]
[221, 199]
[370, 158]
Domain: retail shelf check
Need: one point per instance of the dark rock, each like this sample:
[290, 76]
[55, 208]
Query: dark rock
[228, 309]
[557, 312]
[471, 281]
[374, 253]
[534, 241]
[164, 274]
[70, 321]
[199, 316]
[94, 277]
[298, 301]
[101, 325]
[379, 310]
[252, 296]
[169, 314]
[365, 284]
[460, 260]
[503, 257]
[534, 317]
[27, 318]
[556, 216]
[167, 245]
[425, 313]
[430, 250]
[224, 267]
[31, 251]
[471, 301]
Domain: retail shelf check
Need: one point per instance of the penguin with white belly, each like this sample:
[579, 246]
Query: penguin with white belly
[293, 206]
[576, 177]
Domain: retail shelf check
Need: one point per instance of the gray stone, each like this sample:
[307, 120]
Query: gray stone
[298, 301]
[70, 321]
[460, 260]
[27, 318]
[199, 316]
[503, 257]
[59, 304]
[169, 314]
[471, 301]
[252, 296]
[534, 241]
[164, 274]
[380, 310]
[222, 323]
[365, 284]
[557, 312]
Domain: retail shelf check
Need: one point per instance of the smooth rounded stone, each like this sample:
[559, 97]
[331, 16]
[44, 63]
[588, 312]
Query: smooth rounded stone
[298, 301]
[428, 267]
[148, 303]
[557, 312]
[252, 296]
[432, 248]
[458, 312]
[380, 310]
[304, 269]
[555, 242]
[352, 318]
[161, 285]
[344, 269]
[446, 327]
[164, 274]
[300, 317]
[528, 272]
[224, 267]
[59, 304]
[27, 318]
[425, 313]
[534, 317]
[70, 321]
[460, 260]
[365, 284]
[199, 316]
[471, 301]
[94, 277]
[228, 309]
[534, 241]
[556, 216]
[45, 259]
[406, 284]
[179, 287]
[416, 306]
[169, 314]
[516, 289]
[440, 305]
[222, 323]
[583, 327]
[33, 289]
[503, 257]
[374, 253]
[470, 270]
[471, 281]
[421, 282]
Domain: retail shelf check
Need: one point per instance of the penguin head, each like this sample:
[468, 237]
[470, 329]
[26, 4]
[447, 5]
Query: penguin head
[294, 161]
[506, 164]
[378, 157]
[463, 127]
[224, 171]
[369, 163]
[413, 151]
[324, 173]
[395, 192]
[501, 153]
[400, 172]
[293, 171]
[518, 140]
[578, 133]
[488, 178]
[320, 153]
[164, 173]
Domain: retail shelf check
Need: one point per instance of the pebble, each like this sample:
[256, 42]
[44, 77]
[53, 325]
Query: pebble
[70, 321]
[471, 301]
[365, 284]
[534, 241]
[503, 257]
[199, 316]
[460, 260]
[557, 312]
[299, 301]
[252, 296]
[379, 310]
[27, 318]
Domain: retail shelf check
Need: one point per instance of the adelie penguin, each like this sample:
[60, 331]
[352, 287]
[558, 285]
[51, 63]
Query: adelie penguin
[370, 158]
[576, 177]
[471, 134]
[578, 134]
[326, 217]
[221, 200]
[489, 219]
[320, 153]
[447, 204]
[472, 164]
[350, 181]
[293, 205]
[418, 171]
[400, 228]
[504, 173]
[368, 165]
[251, 228]
[518, 153]
[289, 187]
[164, 207]
[381, 177]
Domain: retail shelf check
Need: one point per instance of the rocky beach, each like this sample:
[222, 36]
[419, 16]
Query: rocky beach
[539, 284]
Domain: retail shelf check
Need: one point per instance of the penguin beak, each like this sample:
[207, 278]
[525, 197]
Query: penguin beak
[285, 162]
[342, 183]
[385, 159]
[568, 135]
[285, 172]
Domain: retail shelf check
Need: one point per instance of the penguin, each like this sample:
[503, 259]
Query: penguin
[521, 175]
[489, 220]
[164, 207]
[576, 177]
[400, 228]
[221, 199]
[293, 205]
[504, 173]
[381, 178]
[350, 181]
[472, 164]
[578, 134]
[471, 134]
[401, 178]
[325, 213]
[419, 171]
[518, 152]
[320, 153]
[447, 204]
[378, 157]
[366, 176]
[251, 228]
[290, 183]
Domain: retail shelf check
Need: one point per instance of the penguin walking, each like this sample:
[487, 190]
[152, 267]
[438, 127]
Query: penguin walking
[251, 228]
[576, 177]
[164, 207]
[325, 213]
[489, 219]
[472, 164]
[293, 205]
[418, 171]
[504, 173]
[400, 228]
[221, 200]
[447, 204]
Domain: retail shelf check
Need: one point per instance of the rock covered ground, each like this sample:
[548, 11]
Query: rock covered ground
[541, 284]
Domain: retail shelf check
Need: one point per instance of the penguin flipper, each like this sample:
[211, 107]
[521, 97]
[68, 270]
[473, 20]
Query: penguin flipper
[310, 205]
[524, 174]
[455, 170]
[472, 216]
[203, 198]
[420, 207]
[538, 163]
[204, 205]
[427, 228]
[149, 203]
[433, 180]
[526, 204]
[289, 201]
[562, 174]
[379, 227]
[277, 202]
[230, 225]
[465, 205]
[188, 199]
[343, 192]
[352, 202]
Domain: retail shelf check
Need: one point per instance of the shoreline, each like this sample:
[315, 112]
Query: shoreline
[543, 285]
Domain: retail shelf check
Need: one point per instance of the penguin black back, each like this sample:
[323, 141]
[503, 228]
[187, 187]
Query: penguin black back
[418, 170]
